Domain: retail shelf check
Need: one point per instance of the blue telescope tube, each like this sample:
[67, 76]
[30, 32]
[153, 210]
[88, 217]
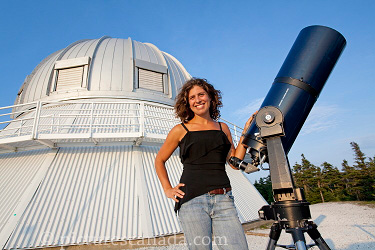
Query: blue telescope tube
[299, 82]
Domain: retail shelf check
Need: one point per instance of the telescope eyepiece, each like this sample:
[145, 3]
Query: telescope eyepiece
[242, 165]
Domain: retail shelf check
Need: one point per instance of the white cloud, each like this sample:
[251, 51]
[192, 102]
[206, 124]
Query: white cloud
[249, 109]
[321, 117]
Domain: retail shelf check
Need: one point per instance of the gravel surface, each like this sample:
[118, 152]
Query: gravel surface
[344, 226]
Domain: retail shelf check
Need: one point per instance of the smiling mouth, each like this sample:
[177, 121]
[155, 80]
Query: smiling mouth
[199, 105]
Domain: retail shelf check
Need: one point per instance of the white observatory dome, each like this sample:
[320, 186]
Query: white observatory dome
[77, 149]
[105, 68]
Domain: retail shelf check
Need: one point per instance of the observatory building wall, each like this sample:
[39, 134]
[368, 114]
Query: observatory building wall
[107, 194]
[77, 152]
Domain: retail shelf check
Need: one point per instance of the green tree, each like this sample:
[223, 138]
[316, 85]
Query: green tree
[331, 182]
[371, 166]
[365, 178]
[309, 177]
[351, 182]
[264, 187]
[328, 183]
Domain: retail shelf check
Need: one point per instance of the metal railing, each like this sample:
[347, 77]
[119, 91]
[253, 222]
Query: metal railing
[52, 123]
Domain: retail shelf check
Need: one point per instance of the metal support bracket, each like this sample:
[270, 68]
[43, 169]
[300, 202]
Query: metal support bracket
[8, 147]
[47, 143]
[139, 141]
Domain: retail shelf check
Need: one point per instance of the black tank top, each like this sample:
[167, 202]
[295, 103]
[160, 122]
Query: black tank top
[203, 154]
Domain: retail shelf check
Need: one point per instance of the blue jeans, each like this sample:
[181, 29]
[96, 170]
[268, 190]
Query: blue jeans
[208, 217]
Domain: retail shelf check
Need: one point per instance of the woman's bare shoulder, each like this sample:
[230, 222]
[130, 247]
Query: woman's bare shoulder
[224, 126]
[226, 130]
[178, 128]
[178, 132]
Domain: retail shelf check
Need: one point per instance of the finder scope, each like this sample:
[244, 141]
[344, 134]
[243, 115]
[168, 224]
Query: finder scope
[298, 85]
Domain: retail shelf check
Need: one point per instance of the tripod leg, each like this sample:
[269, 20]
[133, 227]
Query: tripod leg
[315, 235]
[274, 236]
[298, 238]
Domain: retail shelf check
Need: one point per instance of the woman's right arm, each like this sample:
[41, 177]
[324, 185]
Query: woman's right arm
[241, 149]
[166, 150]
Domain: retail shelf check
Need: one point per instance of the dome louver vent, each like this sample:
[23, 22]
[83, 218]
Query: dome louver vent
[71, 73]
[69, 78]
[150, 80]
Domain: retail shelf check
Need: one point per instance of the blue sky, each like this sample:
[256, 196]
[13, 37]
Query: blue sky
[239, 46]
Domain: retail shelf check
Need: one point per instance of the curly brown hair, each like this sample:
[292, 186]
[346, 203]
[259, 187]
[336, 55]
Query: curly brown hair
[182, 108]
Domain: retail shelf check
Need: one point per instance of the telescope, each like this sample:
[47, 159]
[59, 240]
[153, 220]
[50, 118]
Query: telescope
[279, 120]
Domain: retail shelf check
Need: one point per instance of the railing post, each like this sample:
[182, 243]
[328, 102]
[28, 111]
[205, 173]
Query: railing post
[34, 134]
[53, 123]
[20, 129]
[142, 119]
[235, 134]
[92, 119]
[58, 123]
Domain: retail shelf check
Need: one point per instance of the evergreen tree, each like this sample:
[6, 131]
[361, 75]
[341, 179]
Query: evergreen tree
[350, 180]
[365, 179]
[355, 182]
[309, 177]
[264, 186]
[371, 166]
[331, 182]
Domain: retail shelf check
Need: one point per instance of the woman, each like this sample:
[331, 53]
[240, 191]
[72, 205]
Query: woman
[203, 197]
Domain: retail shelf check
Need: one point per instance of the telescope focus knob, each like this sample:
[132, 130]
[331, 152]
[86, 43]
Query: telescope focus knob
[268, 117]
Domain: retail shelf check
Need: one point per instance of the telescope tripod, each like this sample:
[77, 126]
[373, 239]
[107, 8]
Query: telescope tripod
[290, 210]
[295, 221]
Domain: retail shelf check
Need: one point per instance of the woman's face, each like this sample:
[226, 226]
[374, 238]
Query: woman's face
[199, 100]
